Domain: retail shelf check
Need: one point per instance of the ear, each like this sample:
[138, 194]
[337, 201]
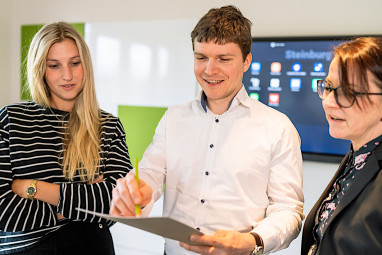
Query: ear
[247, 62]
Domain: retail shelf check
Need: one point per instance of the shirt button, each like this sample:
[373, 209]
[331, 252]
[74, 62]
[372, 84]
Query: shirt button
[202, 201]
[211, 145]
[217, 120]
[207, 173]
[100, 225]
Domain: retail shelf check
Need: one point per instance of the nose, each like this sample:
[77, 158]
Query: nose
[67, 74]
[212, 67]
[330, 101]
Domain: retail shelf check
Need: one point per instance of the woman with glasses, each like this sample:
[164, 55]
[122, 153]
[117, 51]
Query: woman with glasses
[347, 218]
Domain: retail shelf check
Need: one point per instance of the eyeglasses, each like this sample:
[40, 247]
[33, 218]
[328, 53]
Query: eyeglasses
[324, 89]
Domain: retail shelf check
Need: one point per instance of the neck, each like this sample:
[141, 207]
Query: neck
[358, 144]
[66, 107]
[218, 106]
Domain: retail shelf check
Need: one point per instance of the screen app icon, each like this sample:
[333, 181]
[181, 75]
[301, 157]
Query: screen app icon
[295, 84]
[276, 67]
[318, 67]
[254, 96]
[274, 83]
[255, 67]
[255, 84]
[274, 99]
[314, 84]
[296, 67]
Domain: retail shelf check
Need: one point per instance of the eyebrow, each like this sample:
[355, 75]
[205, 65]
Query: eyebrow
[50, 59]
[220, 55]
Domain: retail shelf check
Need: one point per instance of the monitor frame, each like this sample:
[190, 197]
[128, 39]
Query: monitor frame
[313, 156]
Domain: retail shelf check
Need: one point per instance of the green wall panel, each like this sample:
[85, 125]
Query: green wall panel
[27, 33]
[139, 123]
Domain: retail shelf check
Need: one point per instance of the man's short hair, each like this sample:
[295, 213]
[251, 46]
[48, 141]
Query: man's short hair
[224, 25]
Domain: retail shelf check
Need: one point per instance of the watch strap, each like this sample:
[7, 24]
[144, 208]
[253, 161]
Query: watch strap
[32, 184]
[259, 248]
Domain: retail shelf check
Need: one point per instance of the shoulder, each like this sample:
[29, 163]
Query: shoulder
[111, 123]
[29, 109]
[108, 117]
[273, 124]
[183, 109]
[269, 114]
[23, 106]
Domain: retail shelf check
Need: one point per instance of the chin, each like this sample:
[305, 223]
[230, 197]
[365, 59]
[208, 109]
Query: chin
[336, 134]
[211, 94]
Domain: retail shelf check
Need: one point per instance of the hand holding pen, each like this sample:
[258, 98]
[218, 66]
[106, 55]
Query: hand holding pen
[130, 194]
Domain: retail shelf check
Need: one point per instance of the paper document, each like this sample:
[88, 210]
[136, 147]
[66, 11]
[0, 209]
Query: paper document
[163, 226]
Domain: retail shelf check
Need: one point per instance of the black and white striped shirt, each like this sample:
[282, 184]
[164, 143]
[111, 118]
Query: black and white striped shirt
[30, 148]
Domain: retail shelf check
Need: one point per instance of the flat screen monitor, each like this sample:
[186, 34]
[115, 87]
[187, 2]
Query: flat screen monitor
[283, 75]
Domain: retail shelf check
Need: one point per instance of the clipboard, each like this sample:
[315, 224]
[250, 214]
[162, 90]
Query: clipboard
[164, 226]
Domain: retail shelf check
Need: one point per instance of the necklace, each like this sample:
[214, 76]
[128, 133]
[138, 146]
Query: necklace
[60, 120]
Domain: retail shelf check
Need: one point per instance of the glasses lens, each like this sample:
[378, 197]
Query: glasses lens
[342, 100]
[321, 88]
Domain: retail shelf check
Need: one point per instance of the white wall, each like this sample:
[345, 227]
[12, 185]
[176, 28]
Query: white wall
[270, 18]
[142, 63]
[5, 57]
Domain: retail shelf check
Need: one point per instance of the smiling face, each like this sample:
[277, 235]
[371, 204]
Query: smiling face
[219, 70]
[359, 124]
[64, 74]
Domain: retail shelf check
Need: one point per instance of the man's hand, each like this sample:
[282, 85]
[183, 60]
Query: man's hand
[222, 242]
[127, 194]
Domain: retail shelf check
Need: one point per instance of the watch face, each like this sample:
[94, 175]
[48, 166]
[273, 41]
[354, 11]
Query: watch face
[31, 190]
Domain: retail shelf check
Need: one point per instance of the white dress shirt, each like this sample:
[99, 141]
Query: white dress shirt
[234, 171]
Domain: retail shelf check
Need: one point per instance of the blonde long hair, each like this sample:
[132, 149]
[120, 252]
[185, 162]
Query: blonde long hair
[81, 142]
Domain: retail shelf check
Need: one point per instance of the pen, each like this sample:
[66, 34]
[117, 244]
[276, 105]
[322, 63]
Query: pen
[137, 207]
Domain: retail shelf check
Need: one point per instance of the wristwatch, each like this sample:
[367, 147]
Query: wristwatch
[32, 189]
[259, 248]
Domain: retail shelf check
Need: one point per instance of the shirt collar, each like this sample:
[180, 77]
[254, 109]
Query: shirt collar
[240, 98]
[362, 153]
[203, 100]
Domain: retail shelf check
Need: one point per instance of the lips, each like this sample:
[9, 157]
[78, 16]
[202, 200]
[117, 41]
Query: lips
[335, 118]
[213, 82]
[67, 86]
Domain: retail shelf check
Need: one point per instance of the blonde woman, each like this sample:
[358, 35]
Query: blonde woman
[58, 152]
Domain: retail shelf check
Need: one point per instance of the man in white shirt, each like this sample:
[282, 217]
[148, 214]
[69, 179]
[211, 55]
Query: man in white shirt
[231, 166]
